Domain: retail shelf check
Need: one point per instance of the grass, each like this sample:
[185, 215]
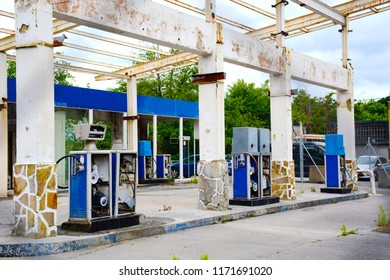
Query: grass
[344, 231]
[193, 180]
[381, 217]
[204, 257]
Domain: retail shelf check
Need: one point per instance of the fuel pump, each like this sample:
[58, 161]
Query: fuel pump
[164, 166]
[145, 161]
[335, 168]
[102, 185]
[251, 159]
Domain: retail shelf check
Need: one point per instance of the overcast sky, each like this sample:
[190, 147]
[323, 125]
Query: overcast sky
[369, 47]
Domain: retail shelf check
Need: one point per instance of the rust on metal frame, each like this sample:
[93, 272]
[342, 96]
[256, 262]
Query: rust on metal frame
[209, 77]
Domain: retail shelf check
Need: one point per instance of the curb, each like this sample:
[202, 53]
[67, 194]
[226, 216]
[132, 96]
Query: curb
[47, 248]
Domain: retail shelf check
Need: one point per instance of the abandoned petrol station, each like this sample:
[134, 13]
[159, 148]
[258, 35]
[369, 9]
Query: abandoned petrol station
[211, 42]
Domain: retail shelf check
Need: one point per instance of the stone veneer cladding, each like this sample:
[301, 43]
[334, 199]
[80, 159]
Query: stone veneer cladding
[283, 179]
[213, 185]
[351, 166]
[35, 200]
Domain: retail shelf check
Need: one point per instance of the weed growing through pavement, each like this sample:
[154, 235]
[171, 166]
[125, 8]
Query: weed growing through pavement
[344, 231]
[381, 217]
[204, 257]
[193, 180]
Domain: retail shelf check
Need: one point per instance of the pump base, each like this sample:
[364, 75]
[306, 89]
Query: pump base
[102, 224]
[254, 201]
[336, 190]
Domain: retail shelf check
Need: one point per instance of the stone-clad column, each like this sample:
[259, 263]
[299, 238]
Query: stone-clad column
[283, 176]
[35, 197]
[212, 168]
[35, 178]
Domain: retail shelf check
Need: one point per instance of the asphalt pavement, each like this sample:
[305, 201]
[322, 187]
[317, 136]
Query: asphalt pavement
[165, 208]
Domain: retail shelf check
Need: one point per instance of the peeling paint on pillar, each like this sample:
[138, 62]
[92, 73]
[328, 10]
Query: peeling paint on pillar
[35, 200]
[347, 105]
[213, 184]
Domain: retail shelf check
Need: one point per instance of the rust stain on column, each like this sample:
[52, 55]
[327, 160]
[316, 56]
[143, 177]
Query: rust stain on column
[349, 104]
[199, 43]
[264, 61]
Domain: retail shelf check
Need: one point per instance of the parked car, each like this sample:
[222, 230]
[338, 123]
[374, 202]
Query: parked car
[316, 151]
[367, 162]
[189, 167]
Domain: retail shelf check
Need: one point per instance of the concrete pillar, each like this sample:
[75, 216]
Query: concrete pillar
[124, 129]
[3, 126]
[60, 126]
[132, 112]
[90, 116]
[283, 176]
[117, 131]
[35, 177]
[181, 152]
[346, 127]
[155, 146]
[346, 115]
[212, 168]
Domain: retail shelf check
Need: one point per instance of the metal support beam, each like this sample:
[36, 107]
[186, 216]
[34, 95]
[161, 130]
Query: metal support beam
[101, 52]
[151, 65]
[254, 8]
[312, 22]
[321, 8]
[202, 12]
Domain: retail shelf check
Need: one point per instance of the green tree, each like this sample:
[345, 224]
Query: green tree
[61, 77]
[246, 106]
[174, 84]
[11, 69]
[314, 112]
[371, 110]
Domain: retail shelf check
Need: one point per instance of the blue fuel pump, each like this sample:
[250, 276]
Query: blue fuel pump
[251, 167]
[102, 185]
[145, 161]
[164, 166]
[335, 168]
